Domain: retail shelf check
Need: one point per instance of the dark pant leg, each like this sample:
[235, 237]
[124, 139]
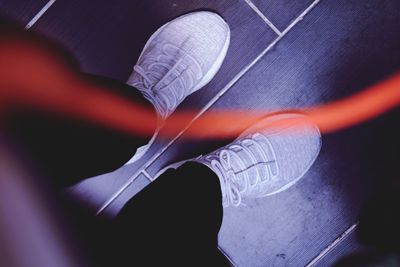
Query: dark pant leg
[67, 150]
[174, 221]
[64, 151]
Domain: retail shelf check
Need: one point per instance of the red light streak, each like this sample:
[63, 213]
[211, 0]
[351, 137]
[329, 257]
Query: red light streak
[30, 76]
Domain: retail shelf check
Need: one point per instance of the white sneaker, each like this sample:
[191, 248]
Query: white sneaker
[264, 161]
[180, 58]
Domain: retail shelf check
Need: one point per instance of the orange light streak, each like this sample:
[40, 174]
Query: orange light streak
[30, 76]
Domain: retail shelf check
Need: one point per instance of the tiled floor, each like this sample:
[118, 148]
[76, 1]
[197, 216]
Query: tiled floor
[283, 54]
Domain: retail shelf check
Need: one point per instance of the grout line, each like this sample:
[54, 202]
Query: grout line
[39, 14]
[227, 256]
[210, 103]
[301, 16]
[264, 18]
[119, 192]
[148, 176]
[329, 248]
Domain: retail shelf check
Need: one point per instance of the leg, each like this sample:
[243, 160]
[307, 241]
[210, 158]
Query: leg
[168, 70]
[174, 220]
[66, 151]
[177, 60]
[72, 150]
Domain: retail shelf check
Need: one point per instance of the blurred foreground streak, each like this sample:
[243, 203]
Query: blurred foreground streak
[35, 73]
[31, 232]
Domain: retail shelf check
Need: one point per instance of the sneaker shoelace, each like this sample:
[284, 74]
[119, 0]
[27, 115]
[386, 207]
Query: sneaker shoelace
[242, 152]
[169, 89]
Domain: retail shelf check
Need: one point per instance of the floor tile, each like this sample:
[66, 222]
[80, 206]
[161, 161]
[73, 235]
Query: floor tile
[346, 247]
[281, 13]
[21, 11]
